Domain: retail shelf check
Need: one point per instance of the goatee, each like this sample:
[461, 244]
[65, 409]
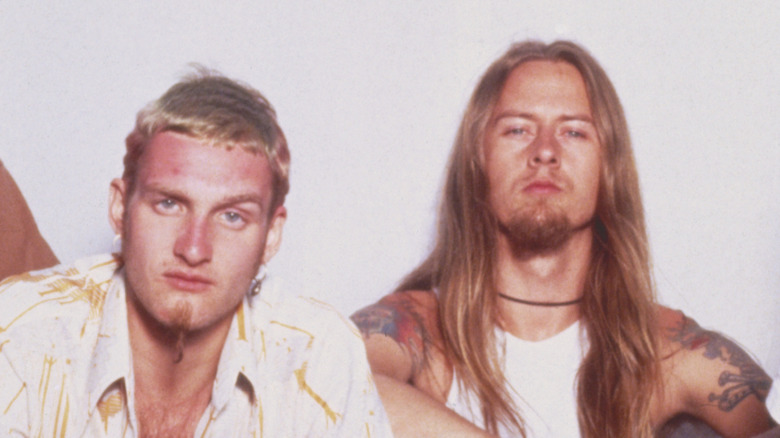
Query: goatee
[538, 229]
[180, 326]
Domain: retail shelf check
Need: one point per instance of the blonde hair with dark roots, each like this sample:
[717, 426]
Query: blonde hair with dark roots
[620, 372]
[219, 112]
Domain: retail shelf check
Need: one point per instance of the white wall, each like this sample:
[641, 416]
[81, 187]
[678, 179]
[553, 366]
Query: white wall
[370, 93]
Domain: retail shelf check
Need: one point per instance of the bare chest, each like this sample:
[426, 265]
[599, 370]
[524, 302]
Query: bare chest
[166, 418]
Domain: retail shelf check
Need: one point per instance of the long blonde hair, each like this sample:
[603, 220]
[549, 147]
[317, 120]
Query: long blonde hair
[619, 374]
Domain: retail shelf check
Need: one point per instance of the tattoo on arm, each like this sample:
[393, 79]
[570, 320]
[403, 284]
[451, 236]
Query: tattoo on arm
[749, 377]
[398, 320]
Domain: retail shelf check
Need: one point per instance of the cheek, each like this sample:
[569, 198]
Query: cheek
[589, 163]
[241, 254]
[148, 235]
[597, 171]
[498, 176]
[594, 182]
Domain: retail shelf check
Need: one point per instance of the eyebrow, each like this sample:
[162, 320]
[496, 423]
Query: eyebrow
[152, 189]
[240, 199]
[565, 118]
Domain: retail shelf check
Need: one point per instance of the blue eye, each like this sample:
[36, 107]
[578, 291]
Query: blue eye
[232, 216]
[518, 131]
[575, 134]
[234, 219]
[167, 204]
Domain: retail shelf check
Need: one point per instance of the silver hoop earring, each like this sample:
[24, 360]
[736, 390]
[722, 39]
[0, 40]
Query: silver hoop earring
[257, 282]
[116, 245]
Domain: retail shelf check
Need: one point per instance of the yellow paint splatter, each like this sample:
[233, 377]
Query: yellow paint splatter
[260, 413]
[65, 418]
[300, 375]
[2, 329]
[70, 290]
[27, 276]
[109, 407]
[82, 289]
[212, 417]
[48, 363]
[241, 323]
[8, 408]
[262, 343]
[297, 329]
[59, 408]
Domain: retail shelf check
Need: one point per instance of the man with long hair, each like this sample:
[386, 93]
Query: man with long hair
[535, 313]
[181, 334]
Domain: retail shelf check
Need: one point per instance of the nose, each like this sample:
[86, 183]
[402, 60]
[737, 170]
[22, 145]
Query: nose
[194, 243]
[545, 150]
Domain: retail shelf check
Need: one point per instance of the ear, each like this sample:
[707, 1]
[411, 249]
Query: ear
[116, 205]
[274, 237]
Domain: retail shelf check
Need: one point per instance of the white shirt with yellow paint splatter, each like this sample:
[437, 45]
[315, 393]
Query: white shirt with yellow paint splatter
[291, 366]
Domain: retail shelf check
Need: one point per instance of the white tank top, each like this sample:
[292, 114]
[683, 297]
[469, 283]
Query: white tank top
[542, 376]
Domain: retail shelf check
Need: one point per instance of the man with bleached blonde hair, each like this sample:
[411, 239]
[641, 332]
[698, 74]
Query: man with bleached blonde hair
[535, 314]
[181, 334]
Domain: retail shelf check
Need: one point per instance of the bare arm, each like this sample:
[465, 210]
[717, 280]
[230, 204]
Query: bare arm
[395, 335]
[411, 373]
[723, 386]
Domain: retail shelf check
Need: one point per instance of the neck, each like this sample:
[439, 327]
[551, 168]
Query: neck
[173, 366]
[555, 276]
[172, 380]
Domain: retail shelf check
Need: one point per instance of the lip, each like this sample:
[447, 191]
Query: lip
[541, 187]
[187, 282]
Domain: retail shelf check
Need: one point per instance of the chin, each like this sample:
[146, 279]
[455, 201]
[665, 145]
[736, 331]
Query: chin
[178, 317]
[539, 230]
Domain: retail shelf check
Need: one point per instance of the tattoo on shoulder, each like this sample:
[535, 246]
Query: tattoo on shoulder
[398, 320]
[750, 379]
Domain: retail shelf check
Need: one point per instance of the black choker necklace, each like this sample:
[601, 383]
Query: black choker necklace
[540, 303]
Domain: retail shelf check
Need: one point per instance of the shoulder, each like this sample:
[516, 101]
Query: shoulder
[404, 341]
[80, 274]
[312, 358]
[699, 351]
[60, 293]
[49, 323]
[418, 299]
[403, 309]
[302, 323]
[710, 375]
[410, 318]
[682, 337]
[422, 302]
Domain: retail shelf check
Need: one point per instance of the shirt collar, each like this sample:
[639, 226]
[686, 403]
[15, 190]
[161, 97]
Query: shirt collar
[111, 356]
[238, 358]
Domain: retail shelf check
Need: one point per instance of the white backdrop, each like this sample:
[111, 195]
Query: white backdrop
[370, 94]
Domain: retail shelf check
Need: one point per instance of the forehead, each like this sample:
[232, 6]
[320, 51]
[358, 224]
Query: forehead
[181, 163]
[545, 85]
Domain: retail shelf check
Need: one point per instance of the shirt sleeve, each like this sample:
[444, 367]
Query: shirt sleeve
[349, 401]
[14, 420]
